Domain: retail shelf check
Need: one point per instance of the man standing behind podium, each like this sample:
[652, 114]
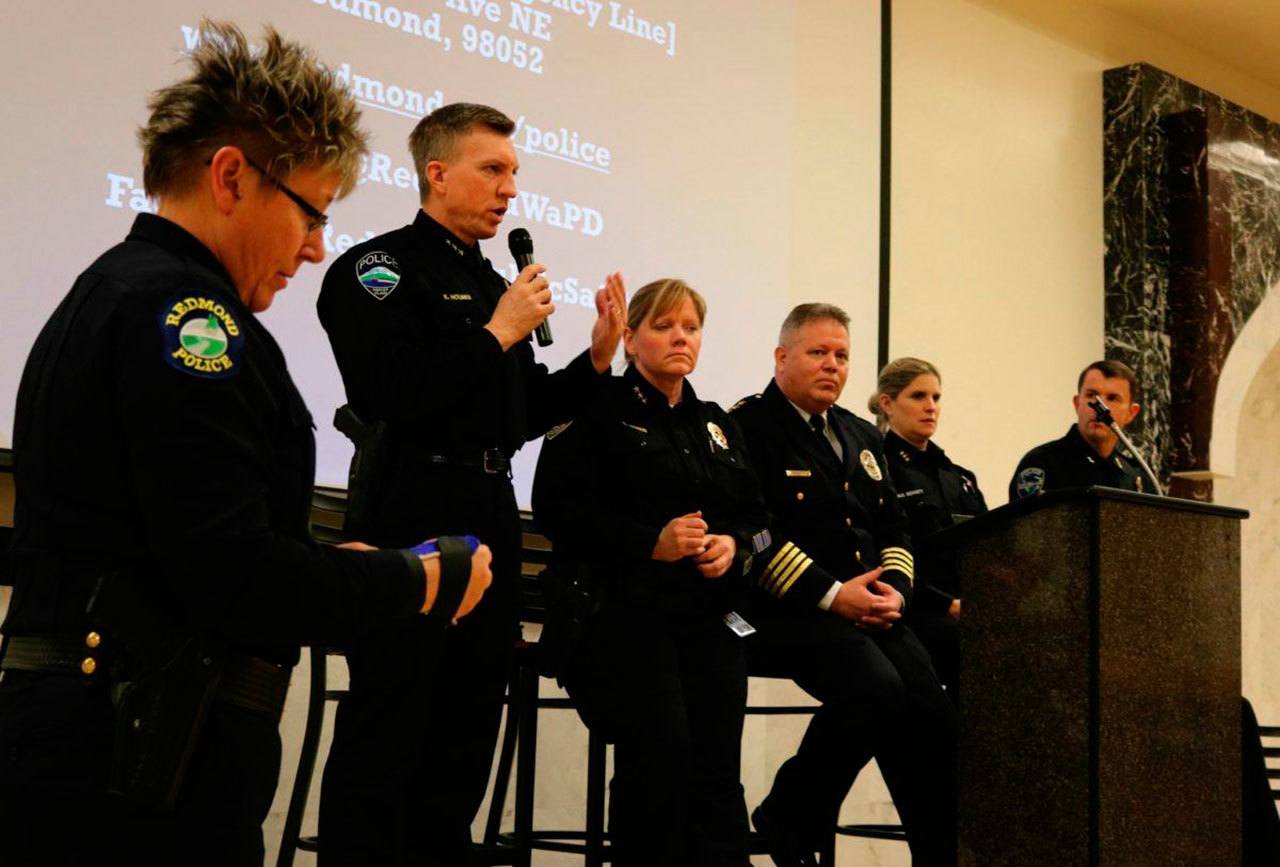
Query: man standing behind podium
[433, 344]
[1088, 453]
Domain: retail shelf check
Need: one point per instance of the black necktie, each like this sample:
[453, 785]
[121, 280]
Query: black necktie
[819, 425]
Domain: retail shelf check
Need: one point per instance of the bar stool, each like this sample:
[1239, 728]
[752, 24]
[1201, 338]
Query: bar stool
[328, 507]
[520, 735]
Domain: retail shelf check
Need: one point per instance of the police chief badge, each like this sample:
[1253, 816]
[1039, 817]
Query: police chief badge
[378, 273]
[869, 464]
[201, 337]
[717, 435]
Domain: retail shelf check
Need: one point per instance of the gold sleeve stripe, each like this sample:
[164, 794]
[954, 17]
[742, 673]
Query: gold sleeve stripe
[779, 562]
[798, 565]
[774, 578]
[796, 572]
[900, 559]
[897, 559]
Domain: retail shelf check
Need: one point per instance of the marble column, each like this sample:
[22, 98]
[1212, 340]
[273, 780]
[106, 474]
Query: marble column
[1192, 221]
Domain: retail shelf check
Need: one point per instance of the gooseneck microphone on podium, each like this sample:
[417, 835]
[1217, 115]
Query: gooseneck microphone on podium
[521, 247]
[1103, 413]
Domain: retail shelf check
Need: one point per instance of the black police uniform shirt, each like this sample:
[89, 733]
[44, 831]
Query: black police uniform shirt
[933, 492]
[1070, 462]
[609, 482]
[405, 313]
[831, 518]
[158, 434]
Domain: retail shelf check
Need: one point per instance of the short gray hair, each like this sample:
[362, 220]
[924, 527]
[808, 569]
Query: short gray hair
[803, 314]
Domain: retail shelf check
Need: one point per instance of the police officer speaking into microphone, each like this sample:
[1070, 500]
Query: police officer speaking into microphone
[1089, 452]
[434, 350]
[163, 567]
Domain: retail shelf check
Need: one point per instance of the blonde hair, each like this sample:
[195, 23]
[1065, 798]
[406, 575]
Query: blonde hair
[659, 297]
[277, 103]
[894, 377]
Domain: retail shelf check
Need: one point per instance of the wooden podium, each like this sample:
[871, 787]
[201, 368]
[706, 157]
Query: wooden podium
[1100, 689]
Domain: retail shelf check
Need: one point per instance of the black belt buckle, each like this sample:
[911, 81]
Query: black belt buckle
[495, 462]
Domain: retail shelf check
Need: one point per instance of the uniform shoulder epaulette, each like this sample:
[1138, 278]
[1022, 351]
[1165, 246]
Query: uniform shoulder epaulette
[746, 401]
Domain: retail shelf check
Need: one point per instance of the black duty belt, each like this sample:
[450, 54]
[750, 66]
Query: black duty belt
[247, 681]
[491, 461]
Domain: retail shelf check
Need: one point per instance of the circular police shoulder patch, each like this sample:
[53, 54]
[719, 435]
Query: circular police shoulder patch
[378, 273]
[1030, 481]
[202, 336]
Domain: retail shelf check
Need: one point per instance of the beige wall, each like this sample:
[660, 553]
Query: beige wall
[997, 211]
[997, 229]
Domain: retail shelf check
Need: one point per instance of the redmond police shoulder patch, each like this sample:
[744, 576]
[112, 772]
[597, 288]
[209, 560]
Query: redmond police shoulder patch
[1030, 481]
[869, 464]
[201, 336]
[378, 273]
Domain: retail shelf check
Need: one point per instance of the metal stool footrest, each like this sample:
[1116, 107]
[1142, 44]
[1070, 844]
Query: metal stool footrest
[873, 830]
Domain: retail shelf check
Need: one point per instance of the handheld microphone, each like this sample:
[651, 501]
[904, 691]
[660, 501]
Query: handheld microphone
[521, 247]
[1103, 413]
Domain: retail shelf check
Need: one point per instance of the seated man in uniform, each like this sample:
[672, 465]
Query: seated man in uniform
[1088, 454]
[829, 604]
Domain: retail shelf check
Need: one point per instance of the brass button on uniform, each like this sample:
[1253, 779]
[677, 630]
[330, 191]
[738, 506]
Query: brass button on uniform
[846, 486]
[92, 640]
[848, 522]
[89, 665]
[799, 495]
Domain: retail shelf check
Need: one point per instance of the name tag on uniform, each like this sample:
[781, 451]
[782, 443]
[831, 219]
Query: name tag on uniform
[799, 474]
[740, 627]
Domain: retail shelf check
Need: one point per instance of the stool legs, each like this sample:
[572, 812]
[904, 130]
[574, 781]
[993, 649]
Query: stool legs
[306, 759]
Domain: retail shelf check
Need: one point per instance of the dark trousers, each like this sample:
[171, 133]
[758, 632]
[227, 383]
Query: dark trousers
[940, 635]
[880, 698]
[55, 752]
[671, 697]
[414, 739]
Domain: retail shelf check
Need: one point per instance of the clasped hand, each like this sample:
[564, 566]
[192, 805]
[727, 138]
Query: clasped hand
[868, 601]
[687, 536]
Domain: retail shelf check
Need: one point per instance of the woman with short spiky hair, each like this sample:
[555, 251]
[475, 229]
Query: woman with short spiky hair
[163, 568]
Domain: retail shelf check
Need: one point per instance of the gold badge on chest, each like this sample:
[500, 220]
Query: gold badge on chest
[717, 435]
[869, 464]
